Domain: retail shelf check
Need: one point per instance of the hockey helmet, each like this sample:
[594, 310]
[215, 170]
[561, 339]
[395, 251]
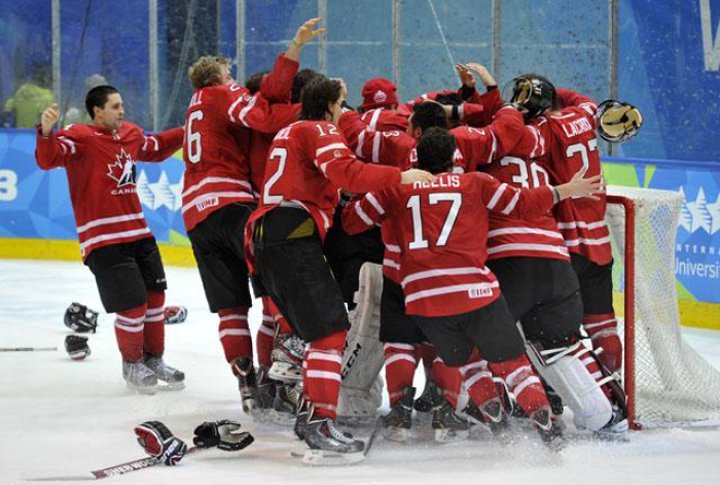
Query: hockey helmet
[532, 94]
[80, 318]
[618, 121]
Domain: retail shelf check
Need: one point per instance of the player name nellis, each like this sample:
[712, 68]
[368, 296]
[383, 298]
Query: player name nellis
[451, 181]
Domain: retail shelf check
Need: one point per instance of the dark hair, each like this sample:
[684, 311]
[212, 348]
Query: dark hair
[300, 80]
[254, 80]
[428, 114]
[449, 98]
[98, 96]
[435, 150]
[316, 96]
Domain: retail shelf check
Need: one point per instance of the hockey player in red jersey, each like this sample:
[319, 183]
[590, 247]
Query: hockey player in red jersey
[218, 195]
[308, 162]
[115, 241]
[566, 124]
[454, 298]
[532, 264]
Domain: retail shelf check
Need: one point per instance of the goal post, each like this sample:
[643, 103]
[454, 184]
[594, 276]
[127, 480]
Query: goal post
[667, 382]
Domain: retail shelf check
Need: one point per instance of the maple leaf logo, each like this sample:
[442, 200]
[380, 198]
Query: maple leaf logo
[123, 170]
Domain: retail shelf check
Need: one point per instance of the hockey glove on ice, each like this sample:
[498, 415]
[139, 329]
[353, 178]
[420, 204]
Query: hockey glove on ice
[158, 441]
[224, 434]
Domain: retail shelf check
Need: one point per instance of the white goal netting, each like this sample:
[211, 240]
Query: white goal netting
[673, 384]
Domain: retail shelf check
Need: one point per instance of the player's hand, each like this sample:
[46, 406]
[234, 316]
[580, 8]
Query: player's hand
[308, 32]
[579, 186]
[483, 73]
[416, 175]
[49, 117]
[466, 75]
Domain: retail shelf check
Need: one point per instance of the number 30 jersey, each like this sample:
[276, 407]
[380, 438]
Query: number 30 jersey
[569, 146]
[441, 230]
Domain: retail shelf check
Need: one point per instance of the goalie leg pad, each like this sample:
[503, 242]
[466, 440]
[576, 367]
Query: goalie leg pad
[361, 389]
[567, 375]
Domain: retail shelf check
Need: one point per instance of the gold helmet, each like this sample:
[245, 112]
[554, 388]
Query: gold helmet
[618, 121]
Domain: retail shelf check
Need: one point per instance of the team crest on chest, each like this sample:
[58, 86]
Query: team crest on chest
[123, 170]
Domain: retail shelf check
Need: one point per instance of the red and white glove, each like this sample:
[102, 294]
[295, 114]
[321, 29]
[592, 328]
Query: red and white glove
[159, 442]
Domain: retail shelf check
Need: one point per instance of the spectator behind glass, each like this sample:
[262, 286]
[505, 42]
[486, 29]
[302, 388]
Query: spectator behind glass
[32, 97]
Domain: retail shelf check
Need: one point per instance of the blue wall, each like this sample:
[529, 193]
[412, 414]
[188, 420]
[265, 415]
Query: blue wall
[662, 66]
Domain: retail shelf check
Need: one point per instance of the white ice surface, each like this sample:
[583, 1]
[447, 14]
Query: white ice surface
[64, 418]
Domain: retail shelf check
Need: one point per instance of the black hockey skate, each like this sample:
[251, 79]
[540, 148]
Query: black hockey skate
[396, 424]
[173, 378]
[139, 377]
[247, 384]
[327, 445]
[448, 426]
[285, 403]
[494, 417]
[265, 389]
[550, 430]
[424, 403]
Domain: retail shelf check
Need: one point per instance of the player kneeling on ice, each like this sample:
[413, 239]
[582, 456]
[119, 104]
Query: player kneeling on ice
[308, 162]
[441, 230]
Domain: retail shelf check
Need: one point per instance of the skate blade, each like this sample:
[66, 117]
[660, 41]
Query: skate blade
[330, 458]
[449, 436]
[143, 390]
[398, 435]
[170, 386]
[284, 372]
[357, 421]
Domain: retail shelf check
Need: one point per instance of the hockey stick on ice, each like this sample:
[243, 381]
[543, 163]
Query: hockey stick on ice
[26, 349]
[111, 471]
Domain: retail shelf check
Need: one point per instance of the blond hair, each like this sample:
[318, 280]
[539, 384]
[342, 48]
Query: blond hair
[206, 71]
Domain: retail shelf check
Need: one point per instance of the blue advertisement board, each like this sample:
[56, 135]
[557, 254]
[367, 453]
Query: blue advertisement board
[35, 203]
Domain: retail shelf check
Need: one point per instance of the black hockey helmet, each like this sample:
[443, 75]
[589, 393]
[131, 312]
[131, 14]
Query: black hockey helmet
[80, 318]
[618, 121]
[77, 347]
[532, 94]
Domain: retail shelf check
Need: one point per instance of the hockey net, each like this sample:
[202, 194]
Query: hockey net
[667, 382]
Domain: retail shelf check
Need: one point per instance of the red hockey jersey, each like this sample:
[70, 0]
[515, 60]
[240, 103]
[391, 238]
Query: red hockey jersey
[308, 163]
[441, 230]
[571, 145]
[510, 236]
[217, 144]
[100, 166]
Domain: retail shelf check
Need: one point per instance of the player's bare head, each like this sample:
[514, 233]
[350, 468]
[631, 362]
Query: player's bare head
[253, 82]
[320, 99]
[210, 71]
[105, 106]
[533, 95]
[97, 97]
[426, 115]
[435, 150]
[300, 80]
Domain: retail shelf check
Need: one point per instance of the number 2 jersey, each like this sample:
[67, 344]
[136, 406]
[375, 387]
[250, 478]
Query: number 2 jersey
[217, 144]
[441, 233]
[569, 145]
